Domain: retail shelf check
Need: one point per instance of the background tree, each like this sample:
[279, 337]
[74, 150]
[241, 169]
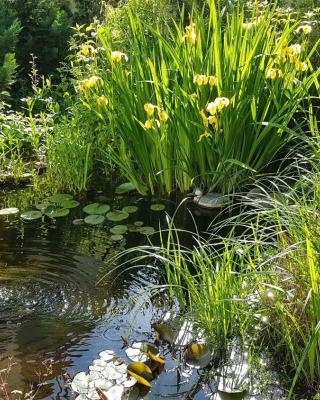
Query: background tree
[9, 30]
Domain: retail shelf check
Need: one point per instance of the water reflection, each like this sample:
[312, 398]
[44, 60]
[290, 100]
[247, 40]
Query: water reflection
[53, 317]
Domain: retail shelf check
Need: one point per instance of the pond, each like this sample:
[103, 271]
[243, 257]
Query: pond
[56, 315]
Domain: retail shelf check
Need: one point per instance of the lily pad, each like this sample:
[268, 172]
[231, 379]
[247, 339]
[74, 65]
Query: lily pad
[69, 203]
[125, 188]
[54, 212]
[232, 395]
[146, 230]
[56, 198]
[78, 221]
[164, 332]
[41, 206]
[96, 209]
[94, 219]
[198, 355]
[140, 351]
[31, 215]
[132, 228]
[117, 215]
[141, 372]
[130, 209]
[119, 229]
[157, 207]
[9, 211]
[116, 238]
[138, 223]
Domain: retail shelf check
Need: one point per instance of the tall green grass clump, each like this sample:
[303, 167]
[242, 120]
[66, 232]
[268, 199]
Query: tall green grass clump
[209, 103]
[296, 317]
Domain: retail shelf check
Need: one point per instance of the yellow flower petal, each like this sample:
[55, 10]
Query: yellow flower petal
[149, 123]
[149, 109]
[205, 135]
[163, 116]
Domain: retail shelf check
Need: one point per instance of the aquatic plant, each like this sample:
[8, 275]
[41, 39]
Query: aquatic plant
[194, 105]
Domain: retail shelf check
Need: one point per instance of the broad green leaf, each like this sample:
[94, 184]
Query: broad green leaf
[146, 230]
[125, 187]
[54, 212]
[130, 209]
[138, 223]
[119, 229]
[78, 221]
[157, 207]
[42, 206]
[94, 219]
[31, 215]
[96, 209]
[117, 215]
[164, 332]
[68, 203]
[116, 238]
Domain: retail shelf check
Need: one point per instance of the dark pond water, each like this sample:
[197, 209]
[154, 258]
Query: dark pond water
[56, 315]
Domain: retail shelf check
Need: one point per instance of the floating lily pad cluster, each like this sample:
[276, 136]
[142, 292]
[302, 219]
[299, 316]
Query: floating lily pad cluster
[119, 381]
[59, 205]
[55, 206]
[112, 378]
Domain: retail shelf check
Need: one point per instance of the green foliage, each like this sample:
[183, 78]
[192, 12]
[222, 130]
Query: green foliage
[46, 28]
[148, 12]
[165, 130]
[9, 31]
[70, 152]
[22, 136]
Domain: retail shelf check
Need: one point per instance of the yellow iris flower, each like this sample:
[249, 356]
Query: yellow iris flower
[274, 73]
[190, 34]
[205, 135]
[305, 29]
[149, 109]
[218, 105]
[117, 57]
[102, 100]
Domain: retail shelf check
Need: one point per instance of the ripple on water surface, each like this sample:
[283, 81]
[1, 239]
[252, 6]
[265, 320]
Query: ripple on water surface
[51, 309]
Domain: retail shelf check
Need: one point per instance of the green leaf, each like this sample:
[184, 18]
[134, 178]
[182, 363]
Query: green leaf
[125, 188]
[78, 221]
[119, 229]
[69, 203]
[41, 206]
[96, 209]
[157, 207]
[116, 238]
[31, 215]
[54, 212]
[164, 332]
[138, 223]
[146, 230]
[117, 215]
[94, 219]
[130, 209]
